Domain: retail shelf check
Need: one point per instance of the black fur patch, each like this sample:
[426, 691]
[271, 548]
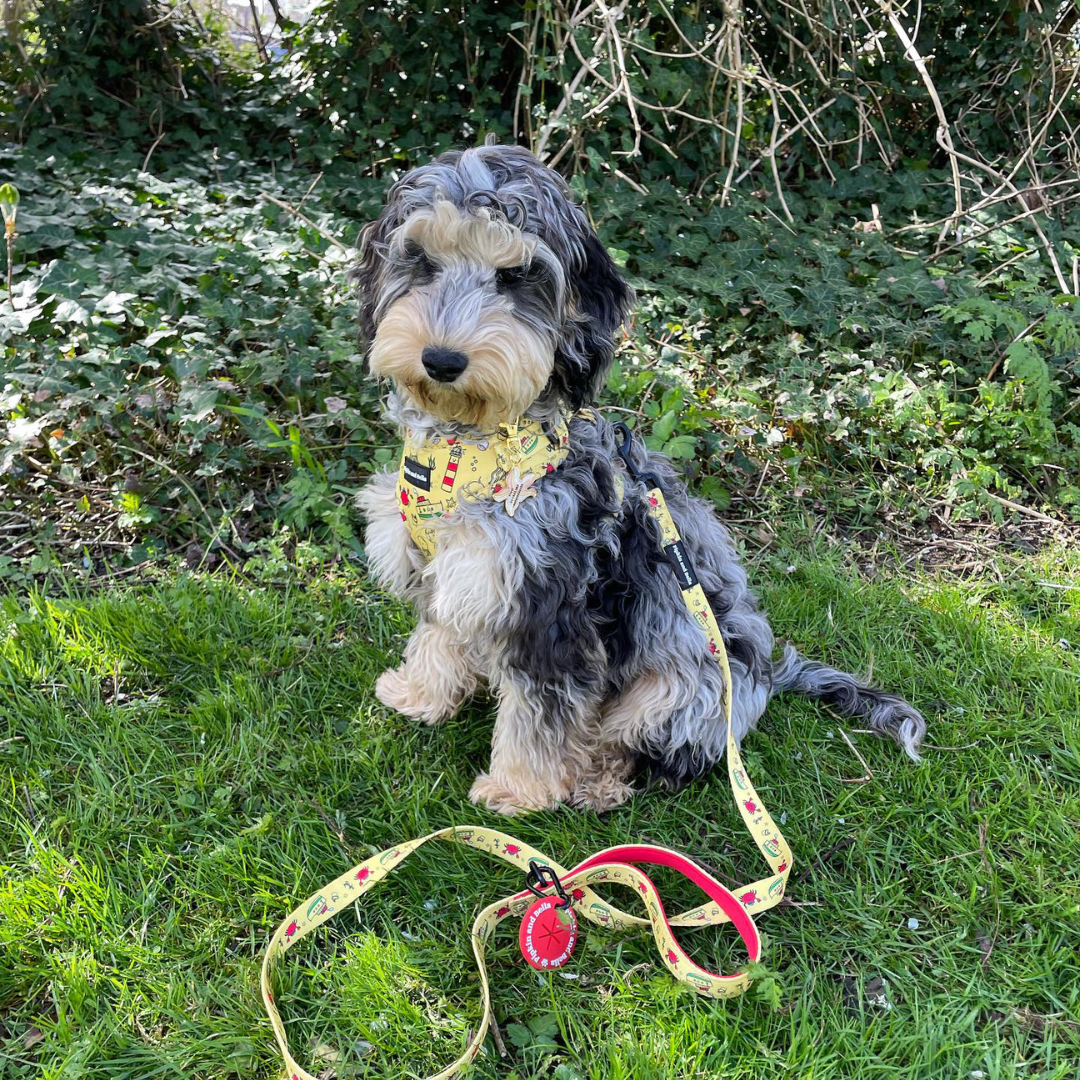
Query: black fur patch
[604, 299]
[556, 640]
[672, 767]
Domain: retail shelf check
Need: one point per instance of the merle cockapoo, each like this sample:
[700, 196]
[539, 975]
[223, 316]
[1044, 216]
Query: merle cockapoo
[488, 302]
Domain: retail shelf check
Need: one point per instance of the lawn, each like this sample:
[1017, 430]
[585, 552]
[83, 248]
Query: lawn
[184, 759]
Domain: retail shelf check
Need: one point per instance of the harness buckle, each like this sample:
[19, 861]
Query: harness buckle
[650, 479]
[541, 876]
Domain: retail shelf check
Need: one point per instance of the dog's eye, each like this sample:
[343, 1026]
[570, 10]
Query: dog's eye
[419, 259]
[507, 277]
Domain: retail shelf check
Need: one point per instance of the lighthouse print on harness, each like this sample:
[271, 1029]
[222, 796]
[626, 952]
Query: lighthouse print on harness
[501, 469]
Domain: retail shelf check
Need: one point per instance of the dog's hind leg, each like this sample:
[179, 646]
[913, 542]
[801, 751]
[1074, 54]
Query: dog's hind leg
[668, 726]
[887, 714]
[624, 723]
[682, 738]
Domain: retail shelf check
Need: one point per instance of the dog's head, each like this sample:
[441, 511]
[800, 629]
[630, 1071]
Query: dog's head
[483, 289]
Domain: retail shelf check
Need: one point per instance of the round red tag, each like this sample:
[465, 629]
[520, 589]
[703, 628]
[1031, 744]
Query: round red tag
[548, 934]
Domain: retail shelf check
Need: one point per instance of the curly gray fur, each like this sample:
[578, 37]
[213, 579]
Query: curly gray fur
[585, 637]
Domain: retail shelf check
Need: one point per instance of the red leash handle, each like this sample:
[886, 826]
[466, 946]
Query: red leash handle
[626, 856]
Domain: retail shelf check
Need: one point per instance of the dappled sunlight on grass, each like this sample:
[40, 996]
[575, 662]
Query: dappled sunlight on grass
[163, 820]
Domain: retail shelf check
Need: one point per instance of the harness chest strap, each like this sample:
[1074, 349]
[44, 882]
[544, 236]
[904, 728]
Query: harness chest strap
[610, 866]
[439, 472]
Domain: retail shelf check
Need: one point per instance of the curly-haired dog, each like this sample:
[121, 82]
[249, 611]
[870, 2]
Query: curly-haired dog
[490, 304]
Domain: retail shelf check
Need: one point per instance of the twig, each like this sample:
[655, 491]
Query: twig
[30, 811]
[307, 221]
[633, 183]
[311, 188]
[944, 131]
[170, 469]
[990, 171]
[332, 825]
[1030, 212]
[818, 863]
[571, 89]
[1019, 337]
[772, 159]
[868, 775]
[153, 147]
[985, 204]
[493, 1027]
[169, 14]
[258, 32]
[732, 17]
[1021, 509]
[783, 139]
[9, 234]
[1001, 266]
[623, 78]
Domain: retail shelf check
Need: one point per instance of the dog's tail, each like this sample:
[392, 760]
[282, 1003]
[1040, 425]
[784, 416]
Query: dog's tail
[887, 714]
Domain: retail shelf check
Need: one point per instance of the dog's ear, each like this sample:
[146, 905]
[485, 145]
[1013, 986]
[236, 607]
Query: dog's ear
[367, 273]
[601, 300]
[605, 297]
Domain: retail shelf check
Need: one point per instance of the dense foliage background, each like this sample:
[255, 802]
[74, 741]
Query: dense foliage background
[855, 235]
[853, 229]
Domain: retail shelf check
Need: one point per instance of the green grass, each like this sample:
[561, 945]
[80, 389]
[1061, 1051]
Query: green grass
[182, 762]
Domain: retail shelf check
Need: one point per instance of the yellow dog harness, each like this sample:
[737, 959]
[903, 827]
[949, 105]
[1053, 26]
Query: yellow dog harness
[612, 866]
[439, 472]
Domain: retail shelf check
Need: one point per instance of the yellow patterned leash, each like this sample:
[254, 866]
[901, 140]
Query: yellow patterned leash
[768, 891]
[612, 866]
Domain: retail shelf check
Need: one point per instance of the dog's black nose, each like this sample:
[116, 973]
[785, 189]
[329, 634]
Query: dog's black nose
[443, 365]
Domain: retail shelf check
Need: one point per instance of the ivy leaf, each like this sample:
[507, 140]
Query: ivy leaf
[155, 336]
[63, 279]
[194, 406]
[662, 429]
[682, 446]
[68, 311]
[113, 303]
[713, 489]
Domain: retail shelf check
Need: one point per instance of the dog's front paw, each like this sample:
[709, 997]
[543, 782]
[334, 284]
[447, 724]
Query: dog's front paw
[498, 797]
[396, 692]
